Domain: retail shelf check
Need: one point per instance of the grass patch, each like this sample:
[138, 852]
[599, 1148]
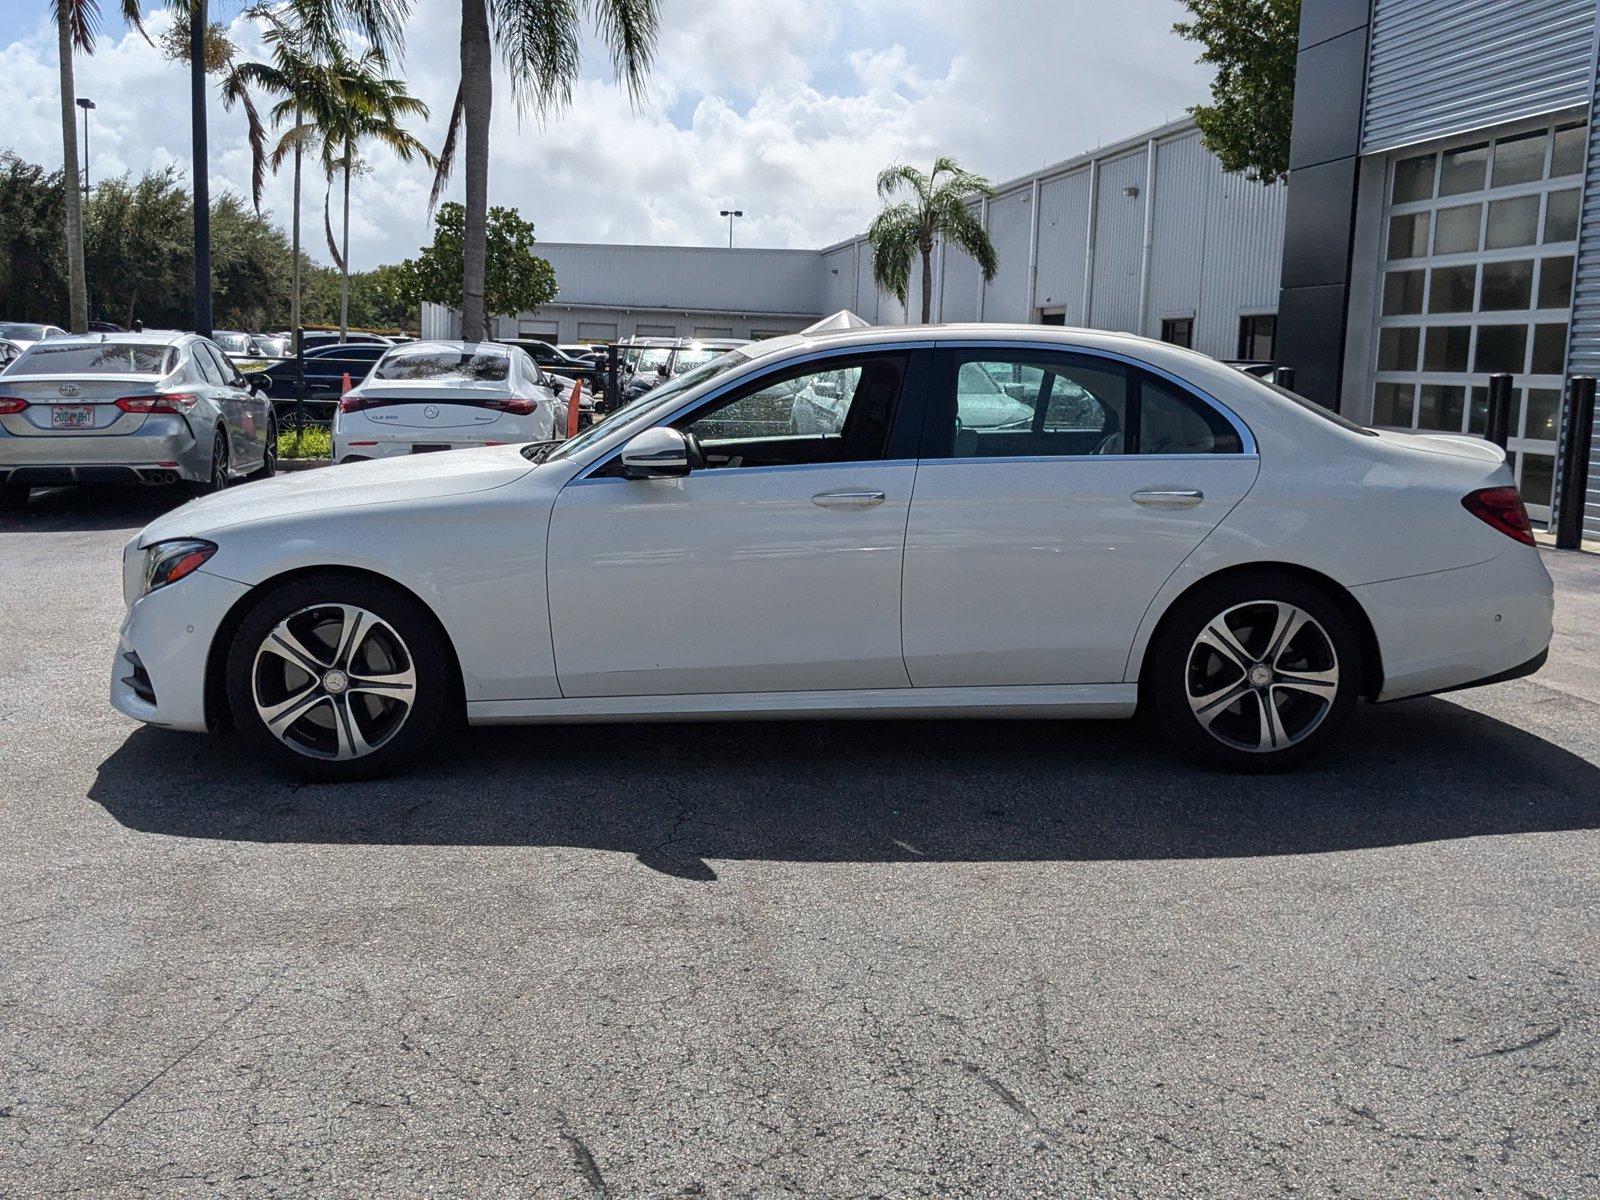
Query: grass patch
[310, 443]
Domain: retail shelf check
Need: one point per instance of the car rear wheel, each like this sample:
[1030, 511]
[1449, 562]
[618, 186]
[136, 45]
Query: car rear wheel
[219, 477]
[1255, 673]
[336, 677]
[269, 456]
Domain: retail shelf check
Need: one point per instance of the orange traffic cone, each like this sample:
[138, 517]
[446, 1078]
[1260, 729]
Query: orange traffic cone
[572, 407]
[346, 385]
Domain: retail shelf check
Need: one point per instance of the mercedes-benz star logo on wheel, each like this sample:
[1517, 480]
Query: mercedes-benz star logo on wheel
[430, 412]
[68, 389]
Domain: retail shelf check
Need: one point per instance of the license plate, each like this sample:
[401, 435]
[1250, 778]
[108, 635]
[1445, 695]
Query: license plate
[427, 449]
[71, 416]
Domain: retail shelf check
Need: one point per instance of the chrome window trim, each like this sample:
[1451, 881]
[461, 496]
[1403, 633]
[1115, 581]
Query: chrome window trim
[1247, 440]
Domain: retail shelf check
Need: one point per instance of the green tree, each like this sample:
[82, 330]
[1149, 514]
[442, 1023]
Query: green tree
[139, 250]
[1252, 44]
[77, 25]
[938, 207]
[539, 44]
[32, 260]
[517, 280]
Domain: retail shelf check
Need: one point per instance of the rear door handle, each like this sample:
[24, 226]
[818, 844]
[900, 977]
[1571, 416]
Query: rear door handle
[847, 499]
[1169, 498]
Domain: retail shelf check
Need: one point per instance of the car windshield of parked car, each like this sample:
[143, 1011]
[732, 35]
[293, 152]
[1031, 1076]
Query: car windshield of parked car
[691, 358]
[662, 398]
[445, 366]
[23, 331]
[233, 343]
[102, 358]
[653, 359]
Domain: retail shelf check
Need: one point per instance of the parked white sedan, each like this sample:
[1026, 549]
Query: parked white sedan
[425, 396]
[1164, 533]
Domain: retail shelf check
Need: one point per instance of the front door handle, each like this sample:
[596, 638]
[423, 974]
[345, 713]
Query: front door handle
[847, 499]
[1169, 498]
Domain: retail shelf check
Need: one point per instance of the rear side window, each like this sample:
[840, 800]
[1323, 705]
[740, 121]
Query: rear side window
[1031, 404]
[445, 366]
[105, 358]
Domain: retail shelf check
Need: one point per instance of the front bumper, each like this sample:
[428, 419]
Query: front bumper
[1461, 628]
[170, 633]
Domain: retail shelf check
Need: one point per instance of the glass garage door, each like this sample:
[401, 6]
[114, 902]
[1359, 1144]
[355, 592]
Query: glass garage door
[1477, 279]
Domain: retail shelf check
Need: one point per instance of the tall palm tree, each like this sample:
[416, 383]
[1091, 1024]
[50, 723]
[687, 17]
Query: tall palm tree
[538, 41]
[77, 24]
[360, 102]
[907, 228]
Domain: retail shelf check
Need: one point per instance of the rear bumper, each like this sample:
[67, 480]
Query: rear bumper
[120, 458]
[1462, 628]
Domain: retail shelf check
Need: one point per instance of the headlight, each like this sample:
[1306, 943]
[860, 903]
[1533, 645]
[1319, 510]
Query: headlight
[168, 562]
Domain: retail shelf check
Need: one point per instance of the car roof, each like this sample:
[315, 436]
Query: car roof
[150, 337]
[443, 344]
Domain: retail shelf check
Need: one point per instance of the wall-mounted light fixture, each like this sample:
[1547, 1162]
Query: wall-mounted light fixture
[1130, 191]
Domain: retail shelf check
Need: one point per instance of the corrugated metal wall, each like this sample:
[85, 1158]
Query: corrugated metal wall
[1063, 235]
[838, 279]
[1243, 266]
[688, 277]
[959, 287]
[1119, 244]
[1437, 68]
[1583, 345]
[1010, 229]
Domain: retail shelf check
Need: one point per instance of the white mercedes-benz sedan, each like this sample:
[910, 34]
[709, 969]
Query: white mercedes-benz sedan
[425, 396]
[936, 521]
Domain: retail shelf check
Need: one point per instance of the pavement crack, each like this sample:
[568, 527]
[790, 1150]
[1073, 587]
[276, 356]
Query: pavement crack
[1537, 1040]
[196, 1045]
[1006, 1096]
[583, 1159]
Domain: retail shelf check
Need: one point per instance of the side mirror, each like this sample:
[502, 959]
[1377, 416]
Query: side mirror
[662, 370]
[259, 381]
[659, 453]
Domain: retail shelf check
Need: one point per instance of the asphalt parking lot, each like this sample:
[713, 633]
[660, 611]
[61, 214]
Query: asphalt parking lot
[944, 958]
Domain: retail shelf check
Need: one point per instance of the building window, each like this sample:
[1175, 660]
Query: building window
[1179, 331]
[1258, 334]
[1477, 279]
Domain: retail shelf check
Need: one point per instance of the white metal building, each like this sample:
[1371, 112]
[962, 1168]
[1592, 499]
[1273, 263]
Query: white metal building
[1147, 234]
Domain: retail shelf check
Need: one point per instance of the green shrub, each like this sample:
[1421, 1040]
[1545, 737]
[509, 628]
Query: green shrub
[314, 442]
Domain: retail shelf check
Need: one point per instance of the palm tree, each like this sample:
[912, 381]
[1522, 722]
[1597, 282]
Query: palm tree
[359, 101]
[77, 23]
[538, 40]
[908, 228]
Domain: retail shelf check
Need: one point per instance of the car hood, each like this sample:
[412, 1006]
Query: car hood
[414, 478]
[1453, 445]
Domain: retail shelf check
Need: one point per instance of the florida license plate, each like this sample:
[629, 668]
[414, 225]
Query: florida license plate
[426, 448]
[71, 416]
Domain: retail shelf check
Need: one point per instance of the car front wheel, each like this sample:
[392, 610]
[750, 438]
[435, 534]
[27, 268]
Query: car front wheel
[336, 677]
[1255, 673]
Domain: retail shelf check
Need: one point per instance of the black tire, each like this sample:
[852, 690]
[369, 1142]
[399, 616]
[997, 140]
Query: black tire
[219, 477]
[1181, 673]
[310, 741]
[13, 497]
[269, 462]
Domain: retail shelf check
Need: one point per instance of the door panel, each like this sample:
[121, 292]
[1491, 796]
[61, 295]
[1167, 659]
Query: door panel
[1038, 571]
[733, 580]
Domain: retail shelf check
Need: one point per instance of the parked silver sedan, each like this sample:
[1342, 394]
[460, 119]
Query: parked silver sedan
[153, 408]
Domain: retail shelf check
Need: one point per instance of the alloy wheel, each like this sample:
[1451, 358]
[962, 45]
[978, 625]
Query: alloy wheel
[333, 681]
[219, 463]
[1262, 676]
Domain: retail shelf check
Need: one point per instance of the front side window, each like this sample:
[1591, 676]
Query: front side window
[442, 364]
[837, 410]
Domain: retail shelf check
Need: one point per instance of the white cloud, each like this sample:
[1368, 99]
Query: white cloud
[786, 110]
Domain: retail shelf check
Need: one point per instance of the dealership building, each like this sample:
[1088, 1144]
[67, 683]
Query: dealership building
[1436, 228]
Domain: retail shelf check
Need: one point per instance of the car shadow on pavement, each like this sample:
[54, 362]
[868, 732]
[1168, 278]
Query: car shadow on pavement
[682, 796]
[85, 509]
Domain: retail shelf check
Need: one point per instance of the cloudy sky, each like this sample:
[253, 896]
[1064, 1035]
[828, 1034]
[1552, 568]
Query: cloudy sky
[786, 110]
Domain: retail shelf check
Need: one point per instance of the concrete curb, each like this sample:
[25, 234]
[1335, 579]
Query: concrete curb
[303, 464]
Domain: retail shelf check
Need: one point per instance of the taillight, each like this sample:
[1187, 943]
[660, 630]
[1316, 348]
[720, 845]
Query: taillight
[174, 403]
[520, 406]
[1501, 508]
[10, 405]
[354, 401]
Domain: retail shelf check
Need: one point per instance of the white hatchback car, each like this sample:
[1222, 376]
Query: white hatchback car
[424, 396]
[983, 521]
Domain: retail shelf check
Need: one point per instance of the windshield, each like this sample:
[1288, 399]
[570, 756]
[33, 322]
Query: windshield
[234, 343]
[690, 358]
[104, 358]
[442, 365]
[643, 411]
[25, 332]
[1327, 414]
[653, 359]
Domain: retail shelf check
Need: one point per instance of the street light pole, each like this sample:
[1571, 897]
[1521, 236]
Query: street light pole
[201, 183]
[731, 213]
[86, 105]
